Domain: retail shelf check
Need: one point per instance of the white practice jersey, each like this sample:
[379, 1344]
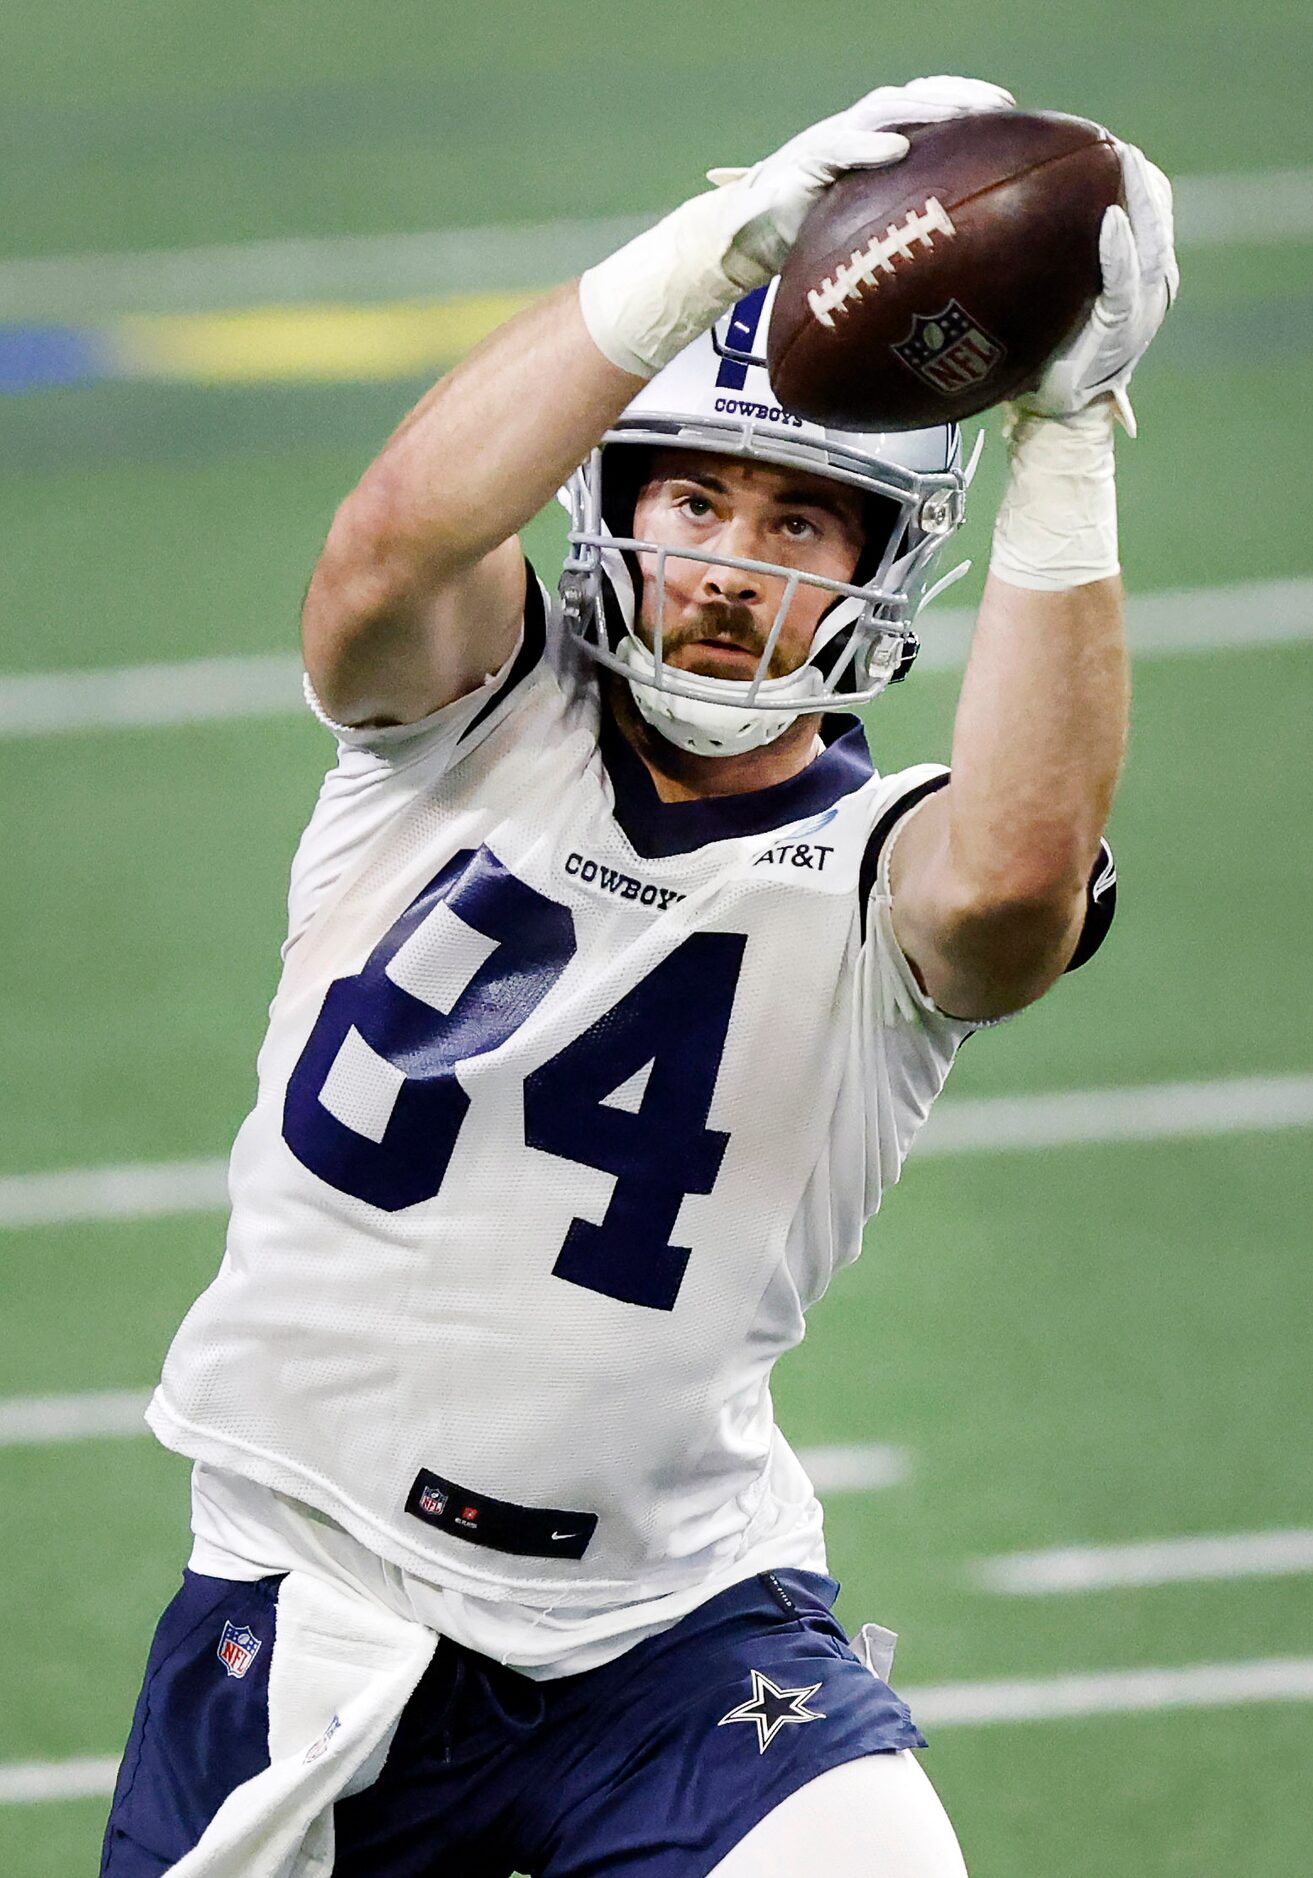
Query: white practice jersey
[571, 1103]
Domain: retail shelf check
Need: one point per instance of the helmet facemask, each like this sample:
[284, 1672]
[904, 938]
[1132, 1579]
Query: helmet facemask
[864, 639]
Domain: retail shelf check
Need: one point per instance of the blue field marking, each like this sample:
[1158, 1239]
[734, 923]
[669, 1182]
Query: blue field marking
[34, 358]
[257, 344]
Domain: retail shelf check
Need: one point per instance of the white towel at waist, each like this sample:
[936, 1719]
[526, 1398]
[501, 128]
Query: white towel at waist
[342, 1670]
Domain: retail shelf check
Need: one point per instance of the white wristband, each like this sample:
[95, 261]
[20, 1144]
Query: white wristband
[1057, 524]
[651, 298]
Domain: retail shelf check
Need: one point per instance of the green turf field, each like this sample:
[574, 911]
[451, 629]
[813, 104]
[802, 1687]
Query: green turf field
[1080, 1345]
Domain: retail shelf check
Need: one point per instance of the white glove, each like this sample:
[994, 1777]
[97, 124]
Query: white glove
[1140, 281]
[645, 303]
[778, 191]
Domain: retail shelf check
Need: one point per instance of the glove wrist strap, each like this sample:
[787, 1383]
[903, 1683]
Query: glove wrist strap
[651, 298]
[1057, 524]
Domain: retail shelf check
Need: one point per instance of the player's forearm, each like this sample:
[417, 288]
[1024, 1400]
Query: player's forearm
[1037, 745]
[489, 444]
[992, 875]
[1041, 720]
[417, 592]
[990, 878]
[493, 441]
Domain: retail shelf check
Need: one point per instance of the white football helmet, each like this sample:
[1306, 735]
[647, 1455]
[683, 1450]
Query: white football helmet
[716, 396]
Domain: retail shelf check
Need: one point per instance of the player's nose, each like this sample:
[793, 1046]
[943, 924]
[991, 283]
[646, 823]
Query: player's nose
[723, 581]
[731, 583]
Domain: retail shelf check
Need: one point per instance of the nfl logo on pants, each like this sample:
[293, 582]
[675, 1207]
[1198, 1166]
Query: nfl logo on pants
[238, 1649]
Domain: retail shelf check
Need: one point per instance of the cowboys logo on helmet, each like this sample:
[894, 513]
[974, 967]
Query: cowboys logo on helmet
[716, 396]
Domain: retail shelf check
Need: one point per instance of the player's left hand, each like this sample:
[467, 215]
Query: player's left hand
[1140, 281]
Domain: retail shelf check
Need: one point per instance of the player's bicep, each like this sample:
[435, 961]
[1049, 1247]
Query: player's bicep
[382, 651]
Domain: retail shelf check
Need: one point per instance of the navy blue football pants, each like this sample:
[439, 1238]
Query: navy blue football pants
[652, 1766]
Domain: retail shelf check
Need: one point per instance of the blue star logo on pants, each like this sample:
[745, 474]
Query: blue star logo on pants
[770, 1709]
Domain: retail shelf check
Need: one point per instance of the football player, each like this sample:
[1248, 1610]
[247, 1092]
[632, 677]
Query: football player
[617, 985]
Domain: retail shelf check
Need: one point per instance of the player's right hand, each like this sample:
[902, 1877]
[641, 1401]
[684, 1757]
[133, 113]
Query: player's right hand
[778, 191]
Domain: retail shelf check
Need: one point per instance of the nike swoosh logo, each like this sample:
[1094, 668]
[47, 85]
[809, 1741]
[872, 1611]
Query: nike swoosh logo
[565, 1535]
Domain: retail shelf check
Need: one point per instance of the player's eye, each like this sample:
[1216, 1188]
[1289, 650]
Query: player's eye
[799, 527]
[694, 504]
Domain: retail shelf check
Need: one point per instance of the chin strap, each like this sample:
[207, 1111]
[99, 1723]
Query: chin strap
[701, 727]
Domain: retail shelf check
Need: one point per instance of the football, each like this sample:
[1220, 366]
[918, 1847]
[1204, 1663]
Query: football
[926, 292]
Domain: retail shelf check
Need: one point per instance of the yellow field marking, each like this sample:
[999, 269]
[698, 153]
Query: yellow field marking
[311, 342]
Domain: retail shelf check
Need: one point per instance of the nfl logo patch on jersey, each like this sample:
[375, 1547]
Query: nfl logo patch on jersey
[433, 1501]
[950, 350]
[238, 1649]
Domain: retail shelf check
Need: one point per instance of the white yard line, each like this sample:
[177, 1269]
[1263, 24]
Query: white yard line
[1112, 1692]
[1201, 619]
[1152, 1562]
[146, 697]
[32, 1420]
[856, 1467]
[1263, 206]
[363, 269]
[1169, 1111]
[134, 1191]
[197, 691]
[941, 1705]
[981, 1124]
[89, 1778]
[1260, 207]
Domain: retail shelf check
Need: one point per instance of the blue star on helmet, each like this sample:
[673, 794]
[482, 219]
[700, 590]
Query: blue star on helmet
[771, 1709]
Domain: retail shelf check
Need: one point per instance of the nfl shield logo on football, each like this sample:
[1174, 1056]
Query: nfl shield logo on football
[950, 349]
[432, 1501]
[238, 1649]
